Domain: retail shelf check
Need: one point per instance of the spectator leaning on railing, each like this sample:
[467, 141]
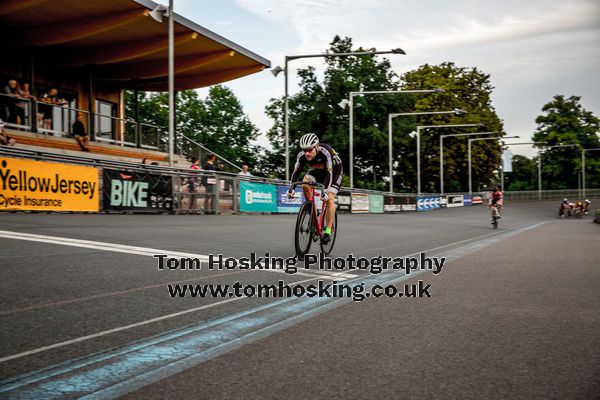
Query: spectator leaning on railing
[24, 92]
[5, 140]
[244, 171]
[49, 100]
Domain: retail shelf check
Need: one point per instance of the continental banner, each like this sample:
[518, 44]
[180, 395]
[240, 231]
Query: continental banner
[257, 197]
[136, 191]
[28, 185]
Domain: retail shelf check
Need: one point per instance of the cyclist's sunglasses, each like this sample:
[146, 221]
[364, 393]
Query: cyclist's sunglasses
[308, 150]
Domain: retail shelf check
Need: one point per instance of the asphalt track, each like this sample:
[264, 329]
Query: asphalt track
[515, 312]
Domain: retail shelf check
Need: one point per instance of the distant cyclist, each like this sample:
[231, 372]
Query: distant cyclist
[495, 200]
[325, 168]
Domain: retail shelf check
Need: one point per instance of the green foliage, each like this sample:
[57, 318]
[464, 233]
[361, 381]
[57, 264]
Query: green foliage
[217, 122]
[468, 89]
[524, 175]
[315, 109]
[566, 122]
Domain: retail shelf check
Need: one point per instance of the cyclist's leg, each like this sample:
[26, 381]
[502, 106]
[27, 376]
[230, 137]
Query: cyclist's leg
[305, 188]
[332, 192]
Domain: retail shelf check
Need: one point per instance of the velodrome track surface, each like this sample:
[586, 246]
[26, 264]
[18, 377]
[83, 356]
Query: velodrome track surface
[515, 312]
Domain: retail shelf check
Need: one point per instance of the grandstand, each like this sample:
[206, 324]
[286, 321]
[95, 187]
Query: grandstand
[91, 52]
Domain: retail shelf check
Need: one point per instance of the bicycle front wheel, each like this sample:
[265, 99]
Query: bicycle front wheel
[326, 248]
[304, 230]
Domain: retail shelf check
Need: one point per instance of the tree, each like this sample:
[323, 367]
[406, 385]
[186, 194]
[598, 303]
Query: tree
[217, 122]
[566, 122]
[524, 175]
[315, 109]
[468, 89]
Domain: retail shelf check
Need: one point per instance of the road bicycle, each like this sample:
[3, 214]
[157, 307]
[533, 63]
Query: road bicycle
[310, 224]
[495, 215]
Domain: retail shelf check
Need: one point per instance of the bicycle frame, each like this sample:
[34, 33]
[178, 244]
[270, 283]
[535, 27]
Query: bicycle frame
[319, 222]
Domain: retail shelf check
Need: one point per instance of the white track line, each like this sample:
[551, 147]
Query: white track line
[146, 251]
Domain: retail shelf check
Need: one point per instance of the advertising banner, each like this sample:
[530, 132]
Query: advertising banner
[136, 191]
[360, 203]
[427, 203]
[257, 197]
[455, 201]
[409, 203]
[392, 204]
[44, 186]
[344, 202]
[443, 201]
[376, 203]
[477, 200]
[468, 200]
[287, 205]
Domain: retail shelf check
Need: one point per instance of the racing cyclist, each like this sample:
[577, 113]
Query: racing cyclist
[495, 199]
[325, 168]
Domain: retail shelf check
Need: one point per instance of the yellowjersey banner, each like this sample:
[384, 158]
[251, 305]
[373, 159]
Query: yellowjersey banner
[44, 186]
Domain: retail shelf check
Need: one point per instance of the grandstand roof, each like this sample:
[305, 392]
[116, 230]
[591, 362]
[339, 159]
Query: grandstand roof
[122, 43]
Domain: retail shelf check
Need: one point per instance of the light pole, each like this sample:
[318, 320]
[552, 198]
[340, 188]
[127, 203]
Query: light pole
[275, 71]
[540, 163]
[583, 168]
[350, 104]
[456, 111]
[157, 14]
[469, 155]
[442, 152]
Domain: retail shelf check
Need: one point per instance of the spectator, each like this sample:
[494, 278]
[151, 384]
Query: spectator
[5, 140]
[49, 100]
[209, 183]
[24, 92]
[191, 185]
[82, 138]
[10, 105]
[145, 161]
[244, 171]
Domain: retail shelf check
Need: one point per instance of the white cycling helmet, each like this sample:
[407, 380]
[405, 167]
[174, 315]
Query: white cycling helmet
[308, 141]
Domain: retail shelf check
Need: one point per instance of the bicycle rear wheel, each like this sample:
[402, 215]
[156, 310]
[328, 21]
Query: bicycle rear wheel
[326, 248]
[304, 230]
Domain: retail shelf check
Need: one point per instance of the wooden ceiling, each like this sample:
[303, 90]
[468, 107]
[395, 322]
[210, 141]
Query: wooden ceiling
[122, 43]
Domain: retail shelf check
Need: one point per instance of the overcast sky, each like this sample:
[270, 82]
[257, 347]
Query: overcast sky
[532, 49]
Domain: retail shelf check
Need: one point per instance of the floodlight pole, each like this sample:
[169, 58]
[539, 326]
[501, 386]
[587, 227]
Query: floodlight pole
[286, 95]
[171, 83]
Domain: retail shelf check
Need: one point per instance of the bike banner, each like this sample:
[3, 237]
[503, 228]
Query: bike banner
[287, 205]
[257, 197]
[455, 201]
[392, 204]
[427, 203]
[477, 200]
[344, 201]
[136, 191]
[45, 186]
[468, 200]
[360, 203]
[376, 203]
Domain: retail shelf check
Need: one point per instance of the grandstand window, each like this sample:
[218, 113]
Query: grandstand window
[105, 122]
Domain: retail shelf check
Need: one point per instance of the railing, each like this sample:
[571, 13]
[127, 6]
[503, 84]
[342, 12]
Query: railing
[120, 131]
[191, 148]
